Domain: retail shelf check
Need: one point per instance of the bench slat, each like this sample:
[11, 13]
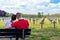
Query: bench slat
[14, 32]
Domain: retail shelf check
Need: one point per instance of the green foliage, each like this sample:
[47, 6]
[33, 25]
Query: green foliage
[39, 14]
[29, 16]
[45, 38]
[40, 34]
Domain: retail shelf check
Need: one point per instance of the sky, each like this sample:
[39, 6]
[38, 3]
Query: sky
[30, 6]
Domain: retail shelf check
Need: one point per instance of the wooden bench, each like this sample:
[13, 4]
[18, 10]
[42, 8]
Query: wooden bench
[15, 33]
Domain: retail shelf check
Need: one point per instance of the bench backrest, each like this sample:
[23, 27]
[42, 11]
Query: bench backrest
[22, 33]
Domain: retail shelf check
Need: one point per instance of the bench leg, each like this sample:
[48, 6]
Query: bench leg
[17, 38]
[22, 38]
[10, 38]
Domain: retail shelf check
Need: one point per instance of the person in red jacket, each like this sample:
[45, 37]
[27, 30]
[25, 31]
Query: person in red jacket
[20, 24]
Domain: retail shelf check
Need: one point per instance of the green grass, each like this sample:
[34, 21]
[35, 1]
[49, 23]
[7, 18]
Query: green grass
[2, 24]
[44, 38]
[37, 33]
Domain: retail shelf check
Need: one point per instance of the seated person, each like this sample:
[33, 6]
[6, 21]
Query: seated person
[13, 18]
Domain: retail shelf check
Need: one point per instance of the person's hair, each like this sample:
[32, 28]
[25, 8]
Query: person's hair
[13, 17]
[18, 15]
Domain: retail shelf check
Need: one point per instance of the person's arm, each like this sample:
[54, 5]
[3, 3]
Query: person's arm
[11, 25]
[28, 23]
[8, 27]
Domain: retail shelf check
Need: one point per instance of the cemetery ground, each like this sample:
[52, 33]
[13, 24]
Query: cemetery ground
[48, 32]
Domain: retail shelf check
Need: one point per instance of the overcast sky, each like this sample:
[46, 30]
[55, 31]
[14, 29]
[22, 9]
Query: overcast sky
[30, 6]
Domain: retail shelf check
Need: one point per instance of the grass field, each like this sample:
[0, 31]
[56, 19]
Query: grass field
[47, 33]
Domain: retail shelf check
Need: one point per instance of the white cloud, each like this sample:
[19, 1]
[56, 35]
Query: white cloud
[29, 6]
[41, 7]
[52, 8]
[52, 5]
[58, 5]
[54, 11]
[38, 1]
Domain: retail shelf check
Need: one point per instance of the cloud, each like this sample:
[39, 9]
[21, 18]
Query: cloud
[29, 6]
[52, 5]
[54, 8]
[38, 1]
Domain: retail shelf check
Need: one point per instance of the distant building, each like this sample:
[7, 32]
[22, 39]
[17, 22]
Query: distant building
[2, 13]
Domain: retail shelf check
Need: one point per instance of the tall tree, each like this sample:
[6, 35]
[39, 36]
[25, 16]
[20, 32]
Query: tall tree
[2, 13]
[42, 14]
[39, 14]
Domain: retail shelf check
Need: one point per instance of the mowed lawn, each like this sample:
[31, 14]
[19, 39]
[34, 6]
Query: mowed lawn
[47, 24]
[47, 33]
[2, 24]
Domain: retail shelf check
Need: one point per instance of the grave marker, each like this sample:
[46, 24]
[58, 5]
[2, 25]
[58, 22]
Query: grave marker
[33, 21]
[42, 22]
[54, 23]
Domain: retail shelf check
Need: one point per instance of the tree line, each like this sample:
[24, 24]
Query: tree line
[39, 15]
